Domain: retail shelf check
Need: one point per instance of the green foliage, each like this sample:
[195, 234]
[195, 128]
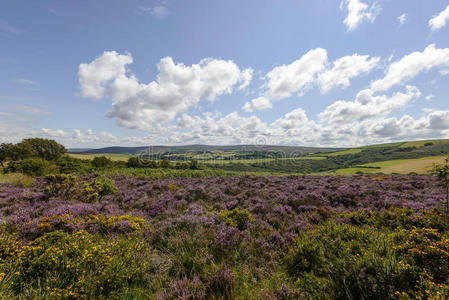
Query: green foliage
[17, 179]
[78, 265]
[99, 187]
[165, 164]
[32, 166]
[133, 162]
[345, 261]
[64, 186]
[69, 165]
[101, 162]
[43, 148]
[239, 218]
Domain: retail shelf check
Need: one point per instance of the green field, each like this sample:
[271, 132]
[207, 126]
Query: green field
[343, 152]
[419, 144]
[401, 166]
[117, 157]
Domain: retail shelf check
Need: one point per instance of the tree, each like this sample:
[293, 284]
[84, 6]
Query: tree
[441, 171]
[133, 162]
[43, 148]
[101, 162]
[13, 152]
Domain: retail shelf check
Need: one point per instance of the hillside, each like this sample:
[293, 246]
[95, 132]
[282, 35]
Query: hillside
[403, 157]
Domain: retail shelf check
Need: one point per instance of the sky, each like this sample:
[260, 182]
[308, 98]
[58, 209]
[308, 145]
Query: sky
[95, 73]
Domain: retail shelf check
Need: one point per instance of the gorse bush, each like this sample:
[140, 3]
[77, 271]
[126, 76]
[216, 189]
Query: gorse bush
[79, 265]
[64, 186]
[99, 187]
[236, 218]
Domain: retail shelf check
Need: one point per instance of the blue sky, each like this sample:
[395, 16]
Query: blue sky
[325, 72]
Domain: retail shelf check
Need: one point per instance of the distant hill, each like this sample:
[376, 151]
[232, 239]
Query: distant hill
[207, 148]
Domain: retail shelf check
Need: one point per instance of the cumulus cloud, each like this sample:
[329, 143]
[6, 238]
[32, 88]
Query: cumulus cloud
[94, 76]
[283, 81]
[439, 21]
[411, 65]
[358, 12]
[257, 104]
[366, 105]
[293, 119]
[401, 19]
[345, 68]
[178, 87]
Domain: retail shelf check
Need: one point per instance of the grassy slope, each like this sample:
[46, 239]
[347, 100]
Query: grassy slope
[118, 157]
[418, 144]
[402, 166]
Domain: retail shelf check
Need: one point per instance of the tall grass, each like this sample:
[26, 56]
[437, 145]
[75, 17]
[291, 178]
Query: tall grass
[17, 179]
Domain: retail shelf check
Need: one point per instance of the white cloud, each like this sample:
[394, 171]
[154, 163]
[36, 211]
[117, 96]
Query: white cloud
[285, 80]
[159, 10]
[178, 87]
[23, 81]
[293, 119]
[358, 12]
[401, 19]
[439, 21]
[246, 77]
[257, 104]
[344, 69]
[94, 76]
[411, 65]
[366, 106]
[429, 97]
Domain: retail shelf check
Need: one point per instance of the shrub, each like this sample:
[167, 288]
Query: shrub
[69, 165]
[236, 218]
[80, 265]
[101, 162]
[133, 162]
[99, 187]
[32, 166]
[64, 186]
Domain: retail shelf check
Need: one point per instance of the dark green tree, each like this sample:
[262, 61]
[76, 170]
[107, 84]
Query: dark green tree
[101, 162]
[43, 148]
[133, 162]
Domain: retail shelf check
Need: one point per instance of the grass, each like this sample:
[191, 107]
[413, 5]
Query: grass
[17, 179]
[342, 152]
[383, 145]
[176, 173]
[401, 166]
[404, 166]
[257, 160]
[419, 144]
[117, 157]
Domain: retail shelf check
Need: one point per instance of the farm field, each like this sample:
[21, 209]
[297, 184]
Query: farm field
[234, 237]
[402, 166]
[115, 157]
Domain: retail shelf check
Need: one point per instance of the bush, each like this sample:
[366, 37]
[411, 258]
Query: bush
[133, 162]
[99, 187]
[79, 265]
[101, 162]
[64, 186]
[69, 165]
[32, 166]
[236, 218]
